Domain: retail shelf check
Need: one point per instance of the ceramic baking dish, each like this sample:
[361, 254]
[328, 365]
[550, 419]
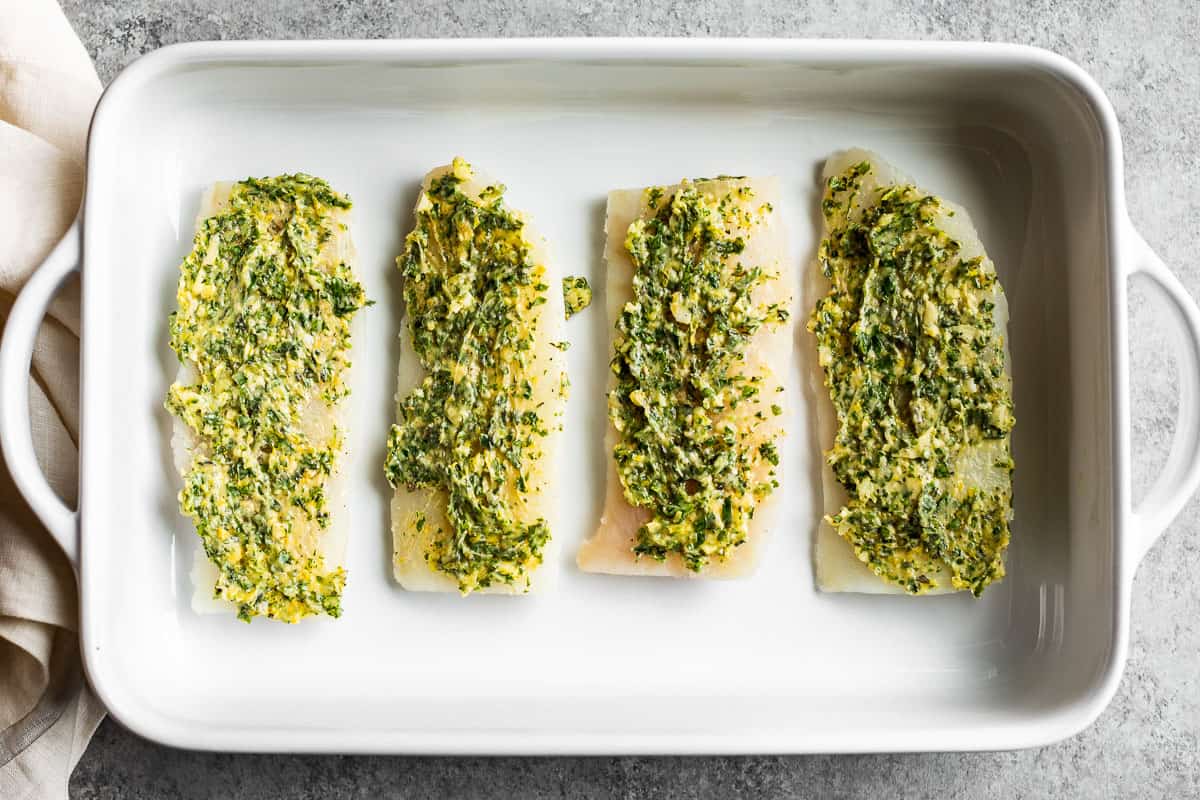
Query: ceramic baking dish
[1021, 137]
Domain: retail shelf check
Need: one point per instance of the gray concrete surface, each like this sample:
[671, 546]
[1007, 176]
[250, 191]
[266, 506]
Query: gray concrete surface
[1146, 54]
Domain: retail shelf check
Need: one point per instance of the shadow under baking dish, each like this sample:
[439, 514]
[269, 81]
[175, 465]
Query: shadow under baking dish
[767, 662]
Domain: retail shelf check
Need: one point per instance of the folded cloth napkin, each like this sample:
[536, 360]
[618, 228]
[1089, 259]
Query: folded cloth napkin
[48, 89]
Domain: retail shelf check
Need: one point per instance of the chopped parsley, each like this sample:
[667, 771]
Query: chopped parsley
[577, 294]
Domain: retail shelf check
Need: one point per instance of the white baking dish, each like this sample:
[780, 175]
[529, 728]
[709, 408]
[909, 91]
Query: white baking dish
[1023, 138]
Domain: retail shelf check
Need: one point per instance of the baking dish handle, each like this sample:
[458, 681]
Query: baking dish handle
[1181, 475]
[16, 353]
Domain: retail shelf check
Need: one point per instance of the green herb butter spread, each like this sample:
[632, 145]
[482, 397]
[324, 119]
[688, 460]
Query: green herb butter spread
[472, 431]
[262, 332]
[577, 294]
[697, 445]
[913, 357]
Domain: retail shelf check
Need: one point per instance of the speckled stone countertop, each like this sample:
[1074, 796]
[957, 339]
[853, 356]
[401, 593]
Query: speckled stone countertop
[1146, 55]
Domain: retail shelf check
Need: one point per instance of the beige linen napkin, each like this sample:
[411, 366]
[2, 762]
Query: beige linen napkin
[48, 89]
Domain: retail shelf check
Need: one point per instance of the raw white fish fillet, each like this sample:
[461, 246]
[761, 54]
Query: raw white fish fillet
[837, 567]
[609, 549]
[547, 373]
[317, 424]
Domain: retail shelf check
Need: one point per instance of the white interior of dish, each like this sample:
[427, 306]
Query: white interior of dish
[603, 660]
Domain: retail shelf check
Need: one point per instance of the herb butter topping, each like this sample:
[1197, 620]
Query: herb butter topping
[262, 330]
[472, 430]
[577, 294]
[687, 404]
[913, 356]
